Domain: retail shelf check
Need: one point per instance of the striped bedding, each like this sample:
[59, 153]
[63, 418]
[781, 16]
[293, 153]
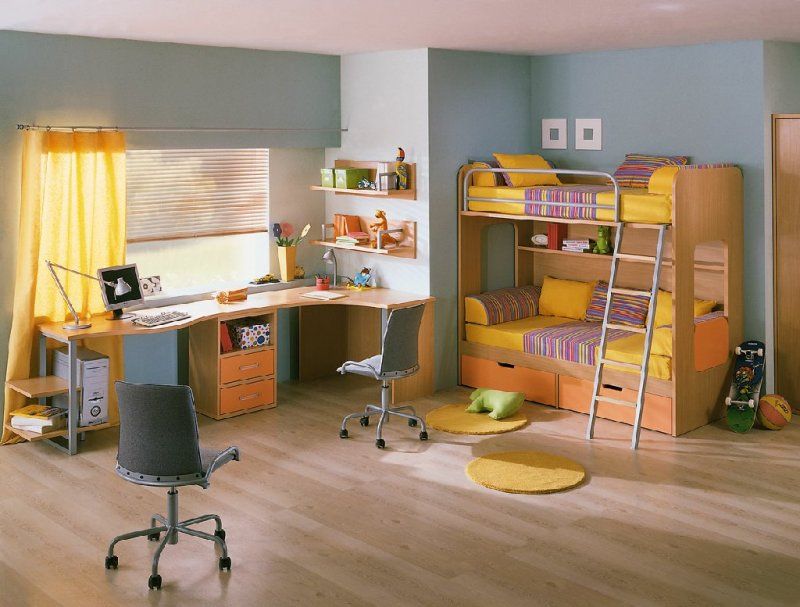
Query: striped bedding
[538, 197]
[576, 341]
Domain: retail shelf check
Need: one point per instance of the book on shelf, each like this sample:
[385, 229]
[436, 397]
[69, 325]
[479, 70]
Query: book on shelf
[38, 413]
[361, 237]
[584, 242]
[23, 423]
[346, 241]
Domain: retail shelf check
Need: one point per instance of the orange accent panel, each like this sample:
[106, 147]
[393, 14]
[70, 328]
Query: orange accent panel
[576, 394]
[538, 386]
[246, 366]
[246, 396]
[711, 347]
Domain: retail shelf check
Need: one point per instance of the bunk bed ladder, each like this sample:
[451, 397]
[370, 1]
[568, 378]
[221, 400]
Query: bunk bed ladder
[618, 257]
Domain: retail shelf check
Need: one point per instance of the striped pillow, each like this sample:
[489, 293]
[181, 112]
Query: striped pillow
[628, 310]
[635, 172]
[502, 305]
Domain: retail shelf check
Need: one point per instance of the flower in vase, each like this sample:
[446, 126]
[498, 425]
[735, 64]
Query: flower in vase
[286, 230]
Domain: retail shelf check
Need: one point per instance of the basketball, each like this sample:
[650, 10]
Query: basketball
[773, 412]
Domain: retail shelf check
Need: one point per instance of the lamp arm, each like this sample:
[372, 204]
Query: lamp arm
[61, 288]
[50, 264]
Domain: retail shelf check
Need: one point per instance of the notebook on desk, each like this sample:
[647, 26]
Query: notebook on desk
[324, 295]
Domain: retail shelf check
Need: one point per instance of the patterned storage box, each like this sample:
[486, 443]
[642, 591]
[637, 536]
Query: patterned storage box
[248, 333]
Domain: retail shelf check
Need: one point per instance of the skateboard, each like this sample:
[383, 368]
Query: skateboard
[748, 374]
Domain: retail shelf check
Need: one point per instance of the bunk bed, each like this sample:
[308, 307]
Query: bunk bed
[697, 209]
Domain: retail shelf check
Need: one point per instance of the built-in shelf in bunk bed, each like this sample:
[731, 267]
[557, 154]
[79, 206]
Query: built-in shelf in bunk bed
[690, 363]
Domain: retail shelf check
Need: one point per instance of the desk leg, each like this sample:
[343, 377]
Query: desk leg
[421, 383]
[72, 415]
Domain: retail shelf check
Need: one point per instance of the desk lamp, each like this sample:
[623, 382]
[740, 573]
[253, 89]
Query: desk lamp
[120, 288]
[330, 257]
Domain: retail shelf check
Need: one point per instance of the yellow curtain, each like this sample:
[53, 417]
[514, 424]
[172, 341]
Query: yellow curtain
[72, 212]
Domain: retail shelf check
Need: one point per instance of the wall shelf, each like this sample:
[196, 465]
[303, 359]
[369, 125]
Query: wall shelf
[407, 246]
[375, 167]
[408, 252]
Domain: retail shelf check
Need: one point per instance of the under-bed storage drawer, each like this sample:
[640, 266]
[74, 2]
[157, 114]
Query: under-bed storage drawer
[538, 386]
[575, 394]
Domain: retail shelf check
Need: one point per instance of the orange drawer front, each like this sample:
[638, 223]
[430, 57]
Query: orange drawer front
[538, 386]
[575, 394]
[246, 396]
[246, 366]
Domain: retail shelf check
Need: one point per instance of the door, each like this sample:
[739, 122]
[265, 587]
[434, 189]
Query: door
[786, 240]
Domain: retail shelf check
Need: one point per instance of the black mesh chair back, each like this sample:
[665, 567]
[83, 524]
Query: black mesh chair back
[158, 434]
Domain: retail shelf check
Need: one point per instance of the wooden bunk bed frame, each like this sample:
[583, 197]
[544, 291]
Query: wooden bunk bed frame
[703, 260]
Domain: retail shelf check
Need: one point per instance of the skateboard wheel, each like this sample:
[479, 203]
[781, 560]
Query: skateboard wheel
[728, 401]
[738, 350]
[751, 403]
[761, 351]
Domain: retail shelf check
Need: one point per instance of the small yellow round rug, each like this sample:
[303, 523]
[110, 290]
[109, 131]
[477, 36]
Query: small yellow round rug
[525, 472]
[456, 420]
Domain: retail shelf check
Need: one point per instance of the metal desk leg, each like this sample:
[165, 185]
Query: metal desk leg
[42, 362]
[72, 415]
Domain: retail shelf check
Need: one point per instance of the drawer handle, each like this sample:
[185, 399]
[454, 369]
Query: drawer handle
[612, 387]
[506, 365]
[246, 367]
[250, 396]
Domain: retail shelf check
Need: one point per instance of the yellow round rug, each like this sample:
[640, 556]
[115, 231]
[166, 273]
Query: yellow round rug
[525, 472]
[456, 420]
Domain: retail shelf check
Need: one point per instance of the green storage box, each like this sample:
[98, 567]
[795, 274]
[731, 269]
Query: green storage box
[328, 178]
[348, 178]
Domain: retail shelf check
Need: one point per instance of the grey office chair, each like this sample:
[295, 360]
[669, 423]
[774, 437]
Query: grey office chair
[398, 359]
[159, 447]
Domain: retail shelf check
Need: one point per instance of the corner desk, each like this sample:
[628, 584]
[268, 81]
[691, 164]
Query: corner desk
[244, 381]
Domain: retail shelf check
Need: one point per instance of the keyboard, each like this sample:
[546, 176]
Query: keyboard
[161, 318]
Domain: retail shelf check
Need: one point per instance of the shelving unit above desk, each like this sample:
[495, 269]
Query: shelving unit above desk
[375, 167]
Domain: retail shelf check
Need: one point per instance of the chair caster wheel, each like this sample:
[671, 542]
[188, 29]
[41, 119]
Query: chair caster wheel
[154, 537]
[112, 562]
[380, 443]
[343, 433]
[224, 563]
[154, 582]
[412, 423]
[364, 421]
[423, 435]
[220, 533]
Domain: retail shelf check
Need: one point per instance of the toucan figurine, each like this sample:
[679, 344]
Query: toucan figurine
[401, 170]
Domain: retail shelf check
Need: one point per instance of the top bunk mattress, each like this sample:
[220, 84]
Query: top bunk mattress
[637, 205]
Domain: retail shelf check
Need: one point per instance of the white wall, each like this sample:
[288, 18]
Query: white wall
[384, 100]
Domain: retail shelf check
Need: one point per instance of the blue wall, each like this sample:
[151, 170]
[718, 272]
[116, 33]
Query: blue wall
[74, 80]
[704, 101]
[478, 103]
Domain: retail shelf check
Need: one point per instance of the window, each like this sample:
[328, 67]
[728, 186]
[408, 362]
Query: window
[198, 218]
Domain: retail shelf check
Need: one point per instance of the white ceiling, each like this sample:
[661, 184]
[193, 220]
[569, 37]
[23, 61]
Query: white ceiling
[350, 26]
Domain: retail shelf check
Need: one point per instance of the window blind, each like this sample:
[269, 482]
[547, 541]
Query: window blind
[186, 193]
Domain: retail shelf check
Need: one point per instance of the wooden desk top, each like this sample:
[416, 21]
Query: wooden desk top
[256, 303]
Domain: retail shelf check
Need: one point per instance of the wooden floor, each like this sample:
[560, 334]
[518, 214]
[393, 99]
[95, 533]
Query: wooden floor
[711, 518]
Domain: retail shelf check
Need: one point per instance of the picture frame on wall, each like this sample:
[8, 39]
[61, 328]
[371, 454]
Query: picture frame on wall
[588, 134]
[554, 133]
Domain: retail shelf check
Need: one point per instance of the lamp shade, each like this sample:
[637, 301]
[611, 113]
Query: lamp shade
[121, 288]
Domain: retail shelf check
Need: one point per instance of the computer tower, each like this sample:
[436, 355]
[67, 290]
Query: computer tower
[92, 383]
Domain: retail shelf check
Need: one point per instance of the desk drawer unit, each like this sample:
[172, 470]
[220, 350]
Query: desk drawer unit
[538, 386]
[239, 397]
[246, 365]
[575, 394]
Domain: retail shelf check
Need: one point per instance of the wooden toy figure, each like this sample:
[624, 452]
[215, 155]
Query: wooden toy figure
[381, 224]
[401, 170]
[603, 246]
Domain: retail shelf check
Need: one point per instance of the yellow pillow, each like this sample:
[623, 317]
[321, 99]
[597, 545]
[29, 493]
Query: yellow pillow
[664, 308]
[662, 342]
[566, 298]
[527, 161]
[662, 179]
[486, 180]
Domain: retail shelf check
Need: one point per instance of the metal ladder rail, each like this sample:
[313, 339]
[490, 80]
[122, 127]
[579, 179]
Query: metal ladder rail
[648, 331]
[603, 335]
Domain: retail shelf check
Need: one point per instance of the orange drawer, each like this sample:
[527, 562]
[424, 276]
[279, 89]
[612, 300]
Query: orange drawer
[246, 366]
[246, 396]
[576, 394]
[538, 386]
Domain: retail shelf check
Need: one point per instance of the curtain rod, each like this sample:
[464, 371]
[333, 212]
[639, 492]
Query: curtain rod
[169, 129]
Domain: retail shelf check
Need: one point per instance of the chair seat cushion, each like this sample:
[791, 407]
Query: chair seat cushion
[370, 367]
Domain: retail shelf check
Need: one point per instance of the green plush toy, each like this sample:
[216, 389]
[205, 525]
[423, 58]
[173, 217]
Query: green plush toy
[501, 404]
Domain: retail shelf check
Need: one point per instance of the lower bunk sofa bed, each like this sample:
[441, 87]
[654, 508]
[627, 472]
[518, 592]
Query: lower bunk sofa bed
[541, 336]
